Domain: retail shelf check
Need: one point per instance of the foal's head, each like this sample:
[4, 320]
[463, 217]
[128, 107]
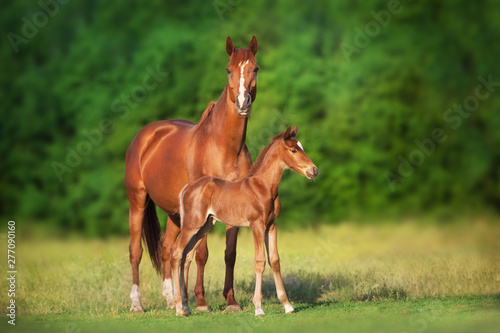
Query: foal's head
[293, 155]
[242, 71]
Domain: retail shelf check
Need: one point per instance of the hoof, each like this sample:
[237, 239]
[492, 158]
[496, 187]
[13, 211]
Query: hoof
[170, 303]
[289, 309]
[205, 308]
[181, 311]
[137, 308]
[233, 308]
[259, 312]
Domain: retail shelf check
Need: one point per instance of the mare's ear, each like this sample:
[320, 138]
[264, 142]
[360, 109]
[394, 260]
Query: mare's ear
[229, 46]
[294, 132]
[252, 46]
[287, 133]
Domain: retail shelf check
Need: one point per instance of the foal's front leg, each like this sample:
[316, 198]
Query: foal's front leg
[258, 231]
[274, 262]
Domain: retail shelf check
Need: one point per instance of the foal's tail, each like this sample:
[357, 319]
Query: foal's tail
[151, 234]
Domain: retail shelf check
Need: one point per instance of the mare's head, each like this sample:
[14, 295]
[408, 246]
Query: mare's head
[293, 155]
[242, 75]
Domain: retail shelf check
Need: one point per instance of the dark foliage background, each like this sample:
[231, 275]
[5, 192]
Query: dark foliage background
[360, 100]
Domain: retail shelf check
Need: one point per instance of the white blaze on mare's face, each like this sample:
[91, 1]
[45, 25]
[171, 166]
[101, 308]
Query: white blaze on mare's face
[241, 91]
[300, 145]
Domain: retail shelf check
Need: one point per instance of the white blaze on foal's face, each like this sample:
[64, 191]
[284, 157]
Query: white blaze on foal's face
[242, 89]
[300, 145]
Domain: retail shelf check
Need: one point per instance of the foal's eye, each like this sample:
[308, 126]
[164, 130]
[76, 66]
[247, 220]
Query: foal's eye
[228, 71]
[255, 70]
[293, 151]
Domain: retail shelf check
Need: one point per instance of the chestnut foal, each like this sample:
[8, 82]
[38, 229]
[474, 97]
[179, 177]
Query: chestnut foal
[249, 202]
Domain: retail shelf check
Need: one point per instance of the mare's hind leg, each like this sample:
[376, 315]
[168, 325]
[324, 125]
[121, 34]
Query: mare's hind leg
[137, 201]
[171, 233]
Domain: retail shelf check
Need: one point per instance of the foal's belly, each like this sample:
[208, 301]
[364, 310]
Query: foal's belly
[230, 212]
[239, 223]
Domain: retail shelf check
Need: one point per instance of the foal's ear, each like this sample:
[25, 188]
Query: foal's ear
[229, 46]
[252, 46]
[287, 132]
[291, 133]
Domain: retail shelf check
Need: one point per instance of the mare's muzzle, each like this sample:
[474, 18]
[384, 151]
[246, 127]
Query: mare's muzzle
[243, 104]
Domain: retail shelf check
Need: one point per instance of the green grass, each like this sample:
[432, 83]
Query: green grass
[401, 278]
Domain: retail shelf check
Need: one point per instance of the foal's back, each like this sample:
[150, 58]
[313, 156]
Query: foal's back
[231, 203]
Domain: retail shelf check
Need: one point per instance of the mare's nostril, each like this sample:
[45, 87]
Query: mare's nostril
[315, 171]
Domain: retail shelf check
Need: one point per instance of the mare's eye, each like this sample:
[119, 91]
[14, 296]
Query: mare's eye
[255, 70]
[228, 71]
[293, 151]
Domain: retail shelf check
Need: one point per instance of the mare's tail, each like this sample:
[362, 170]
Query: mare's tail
[151, 234]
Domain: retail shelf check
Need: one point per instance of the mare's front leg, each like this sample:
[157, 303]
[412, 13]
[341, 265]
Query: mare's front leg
[230, 259]
[274, 262]
[258, 230]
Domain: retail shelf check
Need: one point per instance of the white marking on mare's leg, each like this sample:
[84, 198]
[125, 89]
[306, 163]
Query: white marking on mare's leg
[289, 308]
[135, 296]
[168, 293]
[259, 312]
[241, 91]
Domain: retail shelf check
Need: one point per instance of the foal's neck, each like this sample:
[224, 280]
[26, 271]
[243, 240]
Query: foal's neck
[268, 172]
[227, 127]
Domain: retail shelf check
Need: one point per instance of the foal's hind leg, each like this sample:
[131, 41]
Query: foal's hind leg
[258, 231]
[201, 260]
[172, 230]
[137, 201]
[200, 238]
[177, 259]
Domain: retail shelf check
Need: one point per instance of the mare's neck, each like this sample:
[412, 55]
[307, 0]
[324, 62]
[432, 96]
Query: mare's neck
[268, 173]
[227, 128]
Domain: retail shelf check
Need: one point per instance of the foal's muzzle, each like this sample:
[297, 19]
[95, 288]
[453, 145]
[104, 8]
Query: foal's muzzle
[312, 172]
[243, 104]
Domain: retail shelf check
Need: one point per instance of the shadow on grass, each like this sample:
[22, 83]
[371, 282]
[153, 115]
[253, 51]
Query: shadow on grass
[317, 289]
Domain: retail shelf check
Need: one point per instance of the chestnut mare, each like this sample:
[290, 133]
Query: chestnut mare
[248, 202]
[166, 155]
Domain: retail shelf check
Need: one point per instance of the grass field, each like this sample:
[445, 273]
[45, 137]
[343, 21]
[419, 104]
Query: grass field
[345, 278]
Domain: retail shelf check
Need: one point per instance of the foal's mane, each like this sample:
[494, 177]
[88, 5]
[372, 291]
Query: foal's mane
[264, 151]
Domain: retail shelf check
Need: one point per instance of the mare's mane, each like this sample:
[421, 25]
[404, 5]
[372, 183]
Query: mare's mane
[207, 112]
